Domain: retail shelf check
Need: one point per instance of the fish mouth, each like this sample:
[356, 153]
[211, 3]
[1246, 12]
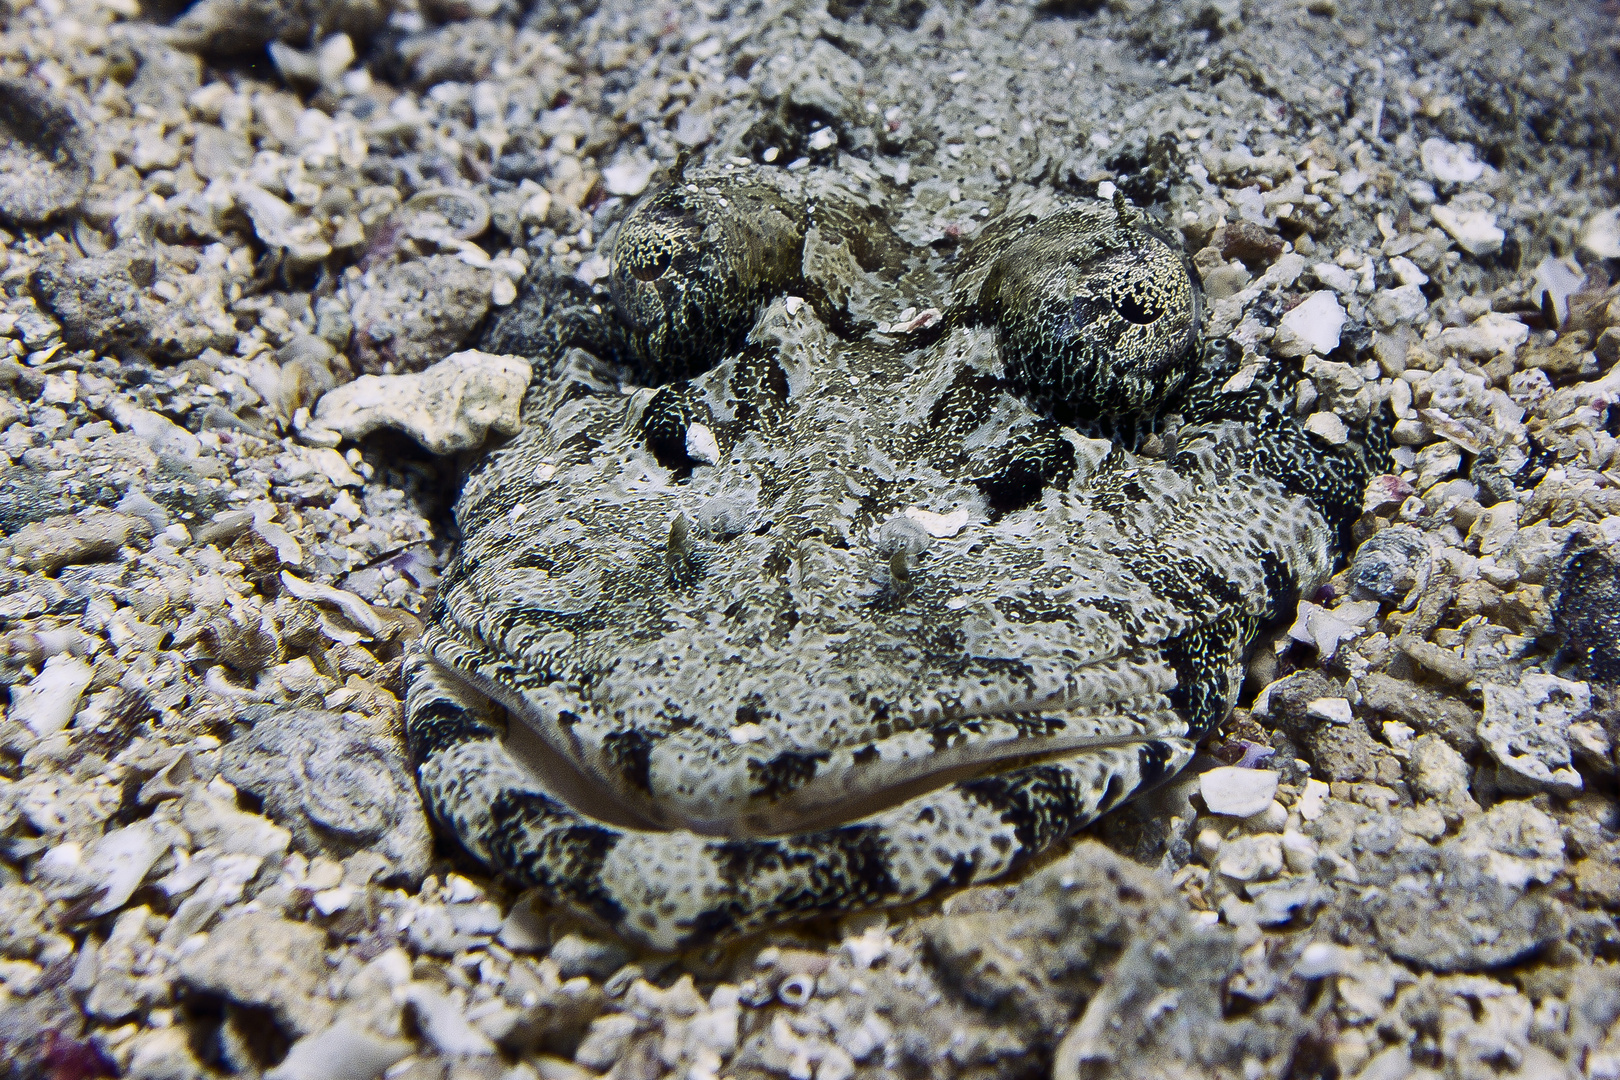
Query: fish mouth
[848, 782]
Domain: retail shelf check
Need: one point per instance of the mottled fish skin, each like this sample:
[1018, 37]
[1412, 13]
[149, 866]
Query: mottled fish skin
[826, 616]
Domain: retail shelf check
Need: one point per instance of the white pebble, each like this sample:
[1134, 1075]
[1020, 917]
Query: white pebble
[120, 861]
[870, 947]
[1475, 231]
[1601, 236]
[1398, 734]
[1252, 858]
[444, 1022]
[1389, 307]
[1335, 710]
[449, 407]
[328, 901]
[1329, 427]
[1407, 272]
[1238, 792]
[1271, 819]
[1490, 335]
[1299, 851]
[1450, 163]
[51, 698]
[1313, 800]
[628, 177]
[344, 1051]
[1334, 277]
[1320, 959]
[1313, 325]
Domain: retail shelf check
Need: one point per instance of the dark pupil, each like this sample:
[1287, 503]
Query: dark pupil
[1133, 308]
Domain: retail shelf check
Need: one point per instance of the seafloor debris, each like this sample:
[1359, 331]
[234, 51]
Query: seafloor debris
[1402, 855]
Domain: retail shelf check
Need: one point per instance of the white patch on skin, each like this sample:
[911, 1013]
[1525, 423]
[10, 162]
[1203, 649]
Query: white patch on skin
[701, 445]
[939, 525]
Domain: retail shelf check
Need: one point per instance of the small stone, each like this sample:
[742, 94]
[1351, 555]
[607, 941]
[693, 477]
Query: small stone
[1520, 843]
[1607, 347]
[1407, 272]
[1248, 242]
[1275, 903]
[1437, 772]
[1490, 335]
[163, 435]
[333, 58]
[1454, 908]
[1450, 163]
[605, 1041]
[23, 913]
[1334, 710]
[1251, 858]
[1590, 743]
[693, 128]
[1328, 427]
[337, 782]
[1299, 851]
[575, 955]
[444, 1022]
[1238, 792]
[1313, 800]
[1601, 237]
[273, 217]
[1385, 493]
[107, 302]
[51, 698]
[1226, 280]
[450, 407]
[1526, 728]
[287, 968]
[213, 820]
[45, 154]
[344, 1051]
[117, 863]
[1320, 959]
[1316, 625]
[629, 176]
[1336, 278]
[1475, 231]
[1390, 307]
[1557, 280]
[414, 314]
[1312, 325]
[1393, 560]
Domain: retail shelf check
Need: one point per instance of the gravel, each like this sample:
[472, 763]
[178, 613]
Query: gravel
[266, 267]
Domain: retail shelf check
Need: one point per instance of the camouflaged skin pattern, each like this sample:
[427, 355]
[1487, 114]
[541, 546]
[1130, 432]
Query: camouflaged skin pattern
[844, 616]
